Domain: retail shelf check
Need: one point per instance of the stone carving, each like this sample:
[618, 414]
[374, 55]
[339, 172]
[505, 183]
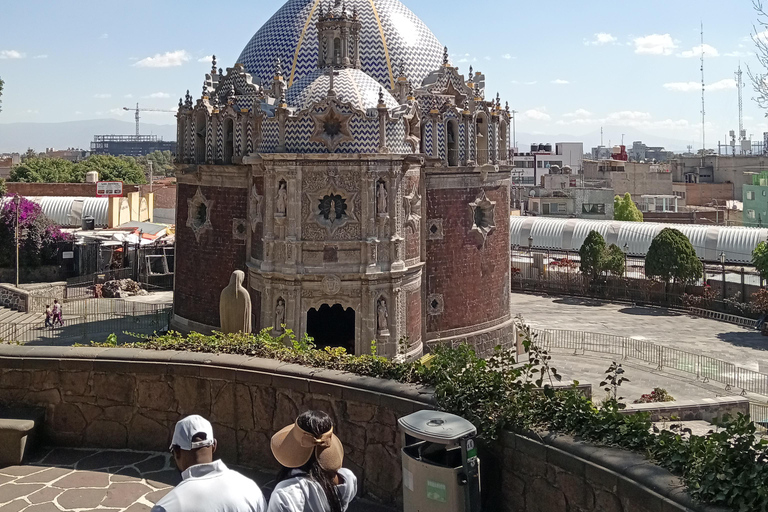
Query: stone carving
[235, 305]
[281, 200]
[255, 213]
[279, 315]
[435, 229]
[331, 284]
[381, 199]
[483, 221]
[412, 207]
[382, 318]
[239, 229]
[435, 304]
[199, 214]
[331, 127]
[333, 209]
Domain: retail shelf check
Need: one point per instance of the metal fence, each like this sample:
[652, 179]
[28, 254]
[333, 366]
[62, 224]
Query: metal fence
[702, 367]
[88, 318]
[759, 415]
[82, 286]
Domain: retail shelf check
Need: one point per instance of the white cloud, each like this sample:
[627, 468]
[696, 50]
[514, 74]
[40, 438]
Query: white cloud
[627, 118]
[207, 58]
[722, 85]
[655, 44]
[601, 38]
[158, 95]
[506, 56]
[116, 112]
[104, 36]
[736, 53]
[102, 96]
[536, 115]
[560, 81]
[41, 56]
[627, 115]
[579, 114]
[709, 51]
[164, 60]
[11, 54]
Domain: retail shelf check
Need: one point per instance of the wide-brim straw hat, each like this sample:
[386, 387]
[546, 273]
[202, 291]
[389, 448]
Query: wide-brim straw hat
[293, 447]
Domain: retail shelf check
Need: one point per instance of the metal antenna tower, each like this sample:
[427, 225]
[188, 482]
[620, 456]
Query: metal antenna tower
[740, 86]
[703, 137]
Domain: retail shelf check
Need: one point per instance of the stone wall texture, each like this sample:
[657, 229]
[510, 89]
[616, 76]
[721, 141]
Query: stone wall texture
[13, 298]
[199, 280]
[125, 398]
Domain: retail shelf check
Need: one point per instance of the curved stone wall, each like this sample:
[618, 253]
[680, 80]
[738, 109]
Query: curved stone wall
[125, 398]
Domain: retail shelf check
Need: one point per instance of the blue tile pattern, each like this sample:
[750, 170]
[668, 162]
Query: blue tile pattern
[428, 137]
[441, 141]
[408, 41]
[351, 86]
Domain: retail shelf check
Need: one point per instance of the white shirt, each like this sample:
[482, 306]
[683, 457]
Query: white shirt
[302, 494]
[213, 488]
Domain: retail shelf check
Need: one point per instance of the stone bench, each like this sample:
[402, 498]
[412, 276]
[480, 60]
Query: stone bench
[17, 434]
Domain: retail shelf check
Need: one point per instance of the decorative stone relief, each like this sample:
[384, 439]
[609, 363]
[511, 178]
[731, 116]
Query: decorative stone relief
[332, 208]
[281, 200]
[331, 128]
[381, 198]
[255, 215]
[483, 221]
[412, 207]
[435, 229]
[382, 316]
[279, 315]
[239, 229]
[331, 284]
[435, 304]
[199, 214]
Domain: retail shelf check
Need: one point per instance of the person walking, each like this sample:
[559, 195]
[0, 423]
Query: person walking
[57, 313]
[48, 316]
[206, 485]
[311, 478]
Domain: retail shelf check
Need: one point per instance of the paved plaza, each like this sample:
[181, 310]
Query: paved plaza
[83, 480]
[738, 345]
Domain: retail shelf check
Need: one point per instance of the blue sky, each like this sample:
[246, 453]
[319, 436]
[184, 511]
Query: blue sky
[567, 67]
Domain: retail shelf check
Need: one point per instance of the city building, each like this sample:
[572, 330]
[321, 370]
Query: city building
[527, 168]
[737, 170]
[639, 152]
[755, 198]
[565, 195]
[7, 161]
[622, 176]
[130, 145]
[71, 154]
[362, 185]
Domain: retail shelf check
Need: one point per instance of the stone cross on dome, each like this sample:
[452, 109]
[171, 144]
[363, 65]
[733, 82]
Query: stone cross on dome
[330, 73]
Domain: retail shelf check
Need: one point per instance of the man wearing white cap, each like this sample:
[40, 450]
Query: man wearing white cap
[207, 485]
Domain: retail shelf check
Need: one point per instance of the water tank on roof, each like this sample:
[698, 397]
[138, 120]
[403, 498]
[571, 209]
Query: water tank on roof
[548, 147]
[91, 177]
[534, 148]
[542, 147]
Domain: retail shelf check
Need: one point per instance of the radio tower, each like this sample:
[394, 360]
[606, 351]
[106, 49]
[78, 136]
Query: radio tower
[740, 86]
[703, 138]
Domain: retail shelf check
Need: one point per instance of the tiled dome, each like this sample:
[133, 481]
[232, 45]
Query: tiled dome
[351, 85]
[391, 36]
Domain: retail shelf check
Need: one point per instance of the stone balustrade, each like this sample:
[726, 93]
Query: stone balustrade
[14, 298]
[126, 398]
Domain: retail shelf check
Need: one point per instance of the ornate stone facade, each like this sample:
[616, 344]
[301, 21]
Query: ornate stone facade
[375, 191]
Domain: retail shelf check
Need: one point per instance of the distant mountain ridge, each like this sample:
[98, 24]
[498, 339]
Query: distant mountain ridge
[17, 137]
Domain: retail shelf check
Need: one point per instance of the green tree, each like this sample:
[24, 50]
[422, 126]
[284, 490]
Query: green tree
[110, 168]
[613, 260]
[3, 188]
[671, 257]
[43, 170]
[1, 94]
[592, 253]
[29, 153]
[760, 259]
[625, 209]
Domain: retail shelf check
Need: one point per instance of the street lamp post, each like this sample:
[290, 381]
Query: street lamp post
[626, 250]
[17, 202]
[722, 264]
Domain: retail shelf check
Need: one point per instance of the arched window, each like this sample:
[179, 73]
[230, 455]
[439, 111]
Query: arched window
[229, 140]
[503, 146]
[422, 144]
[337, 51]
[452, 142]
[200, 127]
[481, 137]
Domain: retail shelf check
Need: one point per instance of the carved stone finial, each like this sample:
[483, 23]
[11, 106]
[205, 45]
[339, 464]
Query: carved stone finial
[343, 8]
[506, 106]
[205, 90]
[354, 12]
[445, 55]
[410, 89]
[213, 65]
[221, 72]
[381, 96]
[282, 99]
[466, 105]
[402, 68]
[180, 103]
[278, 68]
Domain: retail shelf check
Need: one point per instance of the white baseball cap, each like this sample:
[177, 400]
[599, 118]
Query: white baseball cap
[188, 428]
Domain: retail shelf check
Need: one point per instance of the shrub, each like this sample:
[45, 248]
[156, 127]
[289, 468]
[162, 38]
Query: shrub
[625, 209]
[40, 236]
[592, 253]
[657, 395]
[671, 257]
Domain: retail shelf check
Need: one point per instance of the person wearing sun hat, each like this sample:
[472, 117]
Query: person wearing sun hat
[207, 485]
[311, 478]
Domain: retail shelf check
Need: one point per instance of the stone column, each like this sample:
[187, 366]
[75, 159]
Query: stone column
[383, 116]
[345, 47]
[282, 118]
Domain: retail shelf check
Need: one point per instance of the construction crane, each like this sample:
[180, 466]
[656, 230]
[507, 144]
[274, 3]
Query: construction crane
[137, 109]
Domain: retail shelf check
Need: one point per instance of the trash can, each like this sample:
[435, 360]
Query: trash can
[88, 223]
[441, 471]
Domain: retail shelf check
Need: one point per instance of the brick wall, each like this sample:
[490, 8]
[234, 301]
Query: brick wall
[201, 277]
[413, 316]
[471, 279]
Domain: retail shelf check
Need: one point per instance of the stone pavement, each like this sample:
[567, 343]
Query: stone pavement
[83, 480]
[731, 343]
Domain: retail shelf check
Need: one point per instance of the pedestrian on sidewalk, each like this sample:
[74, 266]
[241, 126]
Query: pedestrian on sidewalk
[48, 316]
[57, 313]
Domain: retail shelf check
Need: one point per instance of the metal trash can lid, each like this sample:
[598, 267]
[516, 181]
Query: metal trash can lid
[436, 426]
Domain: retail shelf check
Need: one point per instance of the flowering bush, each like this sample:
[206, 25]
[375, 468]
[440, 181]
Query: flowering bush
[564, 263]
[38, 235]
[699, 301]
[657, 395]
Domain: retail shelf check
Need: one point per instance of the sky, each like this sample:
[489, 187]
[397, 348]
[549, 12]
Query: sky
[567, 68]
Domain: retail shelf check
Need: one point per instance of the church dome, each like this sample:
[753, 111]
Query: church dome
[351, 86]
[391, 37]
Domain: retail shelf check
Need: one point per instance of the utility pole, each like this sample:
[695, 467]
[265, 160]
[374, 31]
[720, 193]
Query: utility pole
[17, 201]
[740, 86]
[703, 126]
[151, 177]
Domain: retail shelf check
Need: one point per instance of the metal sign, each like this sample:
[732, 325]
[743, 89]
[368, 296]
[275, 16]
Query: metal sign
[67, 255]
[109, 188]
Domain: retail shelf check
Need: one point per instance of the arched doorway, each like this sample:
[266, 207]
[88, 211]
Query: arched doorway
[332, 326]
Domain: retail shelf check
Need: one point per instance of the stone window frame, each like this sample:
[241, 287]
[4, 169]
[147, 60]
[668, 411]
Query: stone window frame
[435, 304]
[437, 233]
[238, 234]
[487, 207]
[193, 205]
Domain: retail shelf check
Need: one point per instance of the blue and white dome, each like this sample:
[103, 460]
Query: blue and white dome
[351, 86]
[392, 36]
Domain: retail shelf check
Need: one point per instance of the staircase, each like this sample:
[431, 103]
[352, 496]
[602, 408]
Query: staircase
[14, 324]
